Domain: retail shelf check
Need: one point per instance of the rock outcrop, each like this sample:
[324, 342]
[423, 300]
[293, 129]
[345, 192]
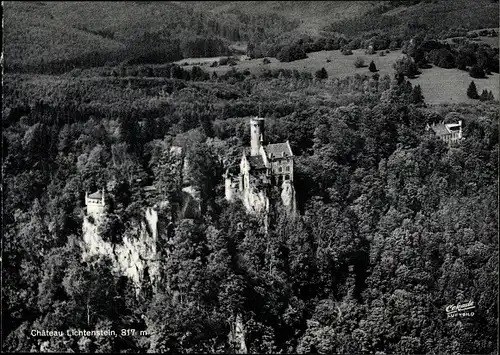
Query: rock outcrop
[236, 336]
[136, 252]
[288, 197]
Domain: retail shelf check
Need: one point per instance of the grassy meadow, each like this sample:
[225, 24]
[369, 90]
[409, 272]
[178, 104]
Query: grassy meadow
[438, 85]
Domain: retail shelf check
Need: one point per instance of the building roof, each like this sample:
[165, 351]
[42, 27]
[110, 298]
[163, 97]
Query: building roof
[96, 195]
[440, 129]
[233, 169]
[256, 162]
[276, 150]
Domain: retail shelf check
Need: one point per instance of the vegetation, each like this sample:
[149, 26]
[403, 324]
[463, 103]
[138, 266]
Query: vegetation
[359, 62]
[372, 67]
[321, 74]
[391, 219]
[394, 225]
[406, 67]
[472, 91]
[486, 96]
[292, 52]
[477, 72]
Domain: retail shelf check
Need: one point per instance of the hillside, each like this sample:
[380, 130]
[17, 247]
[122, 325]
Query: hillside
[58, 36]
[436, 16]
[394, 225]
[38, 33]
[32, 34]
[312, 15]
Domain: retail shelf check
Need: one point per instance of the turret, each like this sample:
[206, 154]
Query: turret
[256, 135]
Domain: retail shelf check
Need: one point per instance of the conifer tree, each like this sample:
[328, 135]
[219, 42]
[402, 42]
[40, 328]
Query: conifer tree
[472, 91]
[321, 74]
[484, 95]
[416, 95]
[372, 67]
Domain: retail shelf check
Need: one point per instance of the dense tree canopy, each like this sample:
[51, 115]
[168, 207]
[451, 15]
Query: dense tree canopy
[394, 225]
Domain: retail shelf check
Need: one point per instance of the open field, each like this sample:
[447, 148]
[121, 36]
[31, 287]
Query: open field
[492, 41]
[339, 66]
[450, 85]
[438, 85]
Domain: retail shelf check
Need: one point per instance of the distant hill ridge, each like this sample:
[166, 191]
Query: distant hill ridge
[39, 36]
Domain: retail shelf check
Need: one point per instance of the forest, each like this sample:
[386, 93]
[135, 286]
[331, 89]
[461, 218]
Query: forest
[393, 225]
[57, 37]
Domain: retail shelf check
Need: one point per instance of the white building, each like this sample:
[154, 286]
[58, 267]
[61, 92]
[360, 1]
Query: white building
[95, 203]
[450, 133]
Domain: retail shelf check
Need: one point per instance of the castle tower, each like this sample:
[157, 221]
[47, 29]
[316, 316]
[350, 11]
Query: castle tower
[256, 135]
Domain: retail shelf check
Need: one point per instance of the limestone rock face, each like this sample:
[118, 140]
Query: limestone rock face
[288, 196]
[229, 189]
[255, 201]
[237, 336]
[136, 252]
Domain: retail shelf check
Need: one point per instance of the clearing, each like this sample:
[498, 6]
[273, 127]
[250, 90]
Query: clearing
[450, 85]
[438, 85]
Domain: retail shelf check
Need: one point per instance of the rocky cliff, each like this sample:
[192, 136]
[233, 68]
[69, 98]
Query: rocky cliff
[288, 196]
[135, 253]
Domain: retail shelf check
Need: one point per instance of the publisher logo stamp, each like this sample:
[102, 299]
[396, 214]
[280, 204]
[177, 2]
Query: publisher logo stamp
[464, 309]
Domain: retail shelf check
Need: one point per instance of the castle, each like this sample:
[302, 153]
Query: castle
[450, 133]
[262, 167]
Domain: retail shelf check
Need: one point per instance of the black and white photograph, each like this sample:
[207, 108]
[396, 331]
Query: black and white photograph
[250, 177]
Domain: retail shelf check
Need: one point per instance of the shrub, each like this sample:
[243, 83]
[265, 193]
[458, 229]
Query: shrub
[266, 61]
[214, 64]
[328, 60]
[359, 62]
[423, 64]
[484, 95]
[372, 67]
[416, 96]
[346, 51]
[381, 53]
[370, 50]
[406, 67]
[472, 91]
[291, 53]
[321, 74]
[477, 72]
[443, 58]
[75, 72]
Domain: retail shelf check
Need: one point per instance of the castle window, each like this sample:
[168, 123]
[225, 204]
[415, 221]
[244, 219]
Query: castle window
[280, 169]
[287, 168]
